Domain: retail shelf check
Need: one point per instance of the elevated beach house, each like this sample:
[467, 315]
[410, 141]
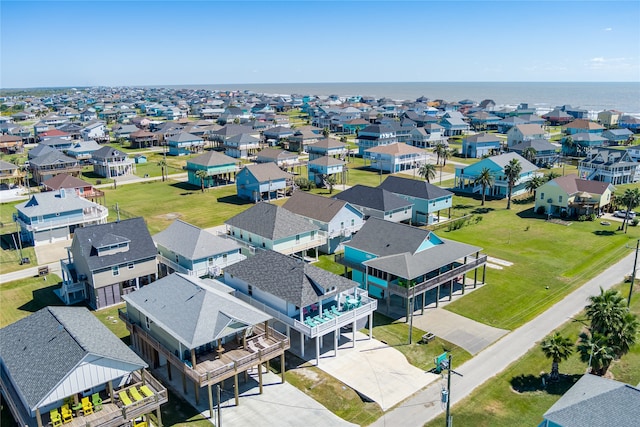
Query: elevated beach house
[61, 364]
[427, 199]
[570, 196]
[220, 169]
[377, 203]
[263, 181]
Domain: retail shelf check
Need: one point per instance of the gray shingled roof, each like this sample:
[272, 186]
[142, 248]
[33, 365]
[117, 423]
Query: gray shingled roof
[327, 161]
[287, 278]
[313, 206]
[192, 312]
[212, 158]
[40, 350]
[413, 188]
[51, 158]
[271, 221]
[264, 172]
[134, 229]
[597, 401]
[52, 202]
[192, 242]
[373, 198]
[503, 160]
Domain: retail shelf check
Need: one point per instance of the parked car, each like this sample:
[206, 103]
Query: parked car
[623, 214]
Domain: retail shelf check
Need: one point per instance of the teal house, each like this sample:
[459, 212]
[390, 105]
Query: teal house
[184, 143]
[220, 169]
[465, 176]
[395, 262]
[428, 200]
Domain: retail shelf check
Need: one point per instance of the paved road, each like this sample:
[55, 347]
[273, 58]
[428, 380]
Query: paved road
[425, 405]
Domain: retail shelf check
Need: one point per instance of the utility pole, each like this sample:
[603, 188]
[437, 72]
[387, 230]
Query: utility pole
[448, 417]
[633, 273]
[442, 364]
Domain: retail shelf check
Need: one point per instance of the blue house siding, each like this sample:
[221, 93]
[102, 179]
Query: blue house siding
[249, 188]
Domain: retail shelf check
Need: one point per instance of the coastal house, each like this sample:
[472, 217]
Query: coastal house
[454, 125]
[283, 158]
[595, 401]
[580, 144]
[198, 330]
[542, 151]
[143, 139]
[83, 150]
[303, 138]
[465, 176]
[339, 219]
[582, 126]
[241, 146]
[187, 249]
[373, 136]
[526, 132]
[617, 136]
[54, 216]
[220, 169]
[184, 143]
[59, 361]
[557, 117]
[112, 163]
[10, 144]
[629, 122]
[263, 181]
[95, 131]
[277, 133]
[320, 168]
[570, 196]
[51, 162]
[609, 118]
[107, 261]
[306, 302]
[481, 144]
[10, 174]
[399, 263]
[609, 165]
[71, 184]
[504, 125]
[377, 203]
[427, 199]
[267, 226]
[396, 157]
[329, 147]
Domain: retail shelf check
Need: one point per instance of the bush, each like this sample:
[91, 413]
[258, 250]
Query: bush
[592, 217]
[635, 221]
[582, 218]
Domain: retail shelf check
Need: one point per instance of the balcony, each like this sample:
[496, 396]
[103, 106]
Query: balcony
[97, 214]
[114, 413]
[212, 366]
[201, 271]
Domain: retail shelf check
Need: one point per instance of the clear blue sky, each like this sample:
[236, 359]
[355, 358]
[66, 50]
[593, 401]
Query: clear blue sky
[86, 43]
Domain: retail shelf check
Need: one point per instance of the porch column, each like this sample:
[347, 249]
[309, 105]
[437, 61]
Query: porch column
[437, 295]
[235, 388]
[38, 417]
[464, 276]
[110, 387]
[484, 273]
[353, 330]
[317, 350]
[184, 382]
[302, 336]
[422, 302]
[210, 395]
[159, 416]
[169, 369]
[260, 376]
[193, 358]
[371, 325]
[288, 332]
[196, 390]
[266, 329]
[475, 277]
[282, 367]
[335, 342]
[450, 289]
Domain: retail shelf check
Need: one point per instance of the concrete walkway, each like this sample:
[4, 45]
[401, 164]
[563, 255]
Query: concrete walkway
[425, 405]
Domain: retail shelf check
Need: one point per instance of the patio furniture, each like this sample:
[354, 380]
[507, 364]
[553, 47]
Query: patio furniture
[124, 398]
[318, 319]
[56, 419]
[87, 407]
[96, 401]
[77, 407]
[327, 313]
[133, 391]
[146, 391]
[67, 414]
[141, 424]
[335, 310]
[309, 322]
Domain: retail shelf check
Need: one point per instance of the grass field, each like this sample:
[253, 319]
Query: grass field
[516, 397]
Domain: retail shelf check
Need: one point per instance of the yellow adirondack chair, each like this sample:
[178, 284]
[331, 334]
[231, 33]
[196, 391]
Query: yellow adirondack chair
[87, 407]
[56, 419]
[67, 414]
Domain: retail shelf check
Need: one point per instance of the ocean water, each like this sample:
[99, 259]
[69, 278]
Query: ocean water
[593, 97]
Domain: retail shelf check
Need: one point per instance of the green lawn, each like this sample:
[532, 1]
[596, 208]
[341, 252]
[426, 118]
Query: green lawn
[516, 396]
[550, 260]
[20, 298]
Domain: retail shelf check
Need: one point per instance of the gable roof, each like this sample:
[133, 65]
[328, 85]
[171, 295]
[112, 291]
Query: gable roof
[51, 157]
[571, 184]
[40, 204]
[184, 137]
[316, 207]
[414, 188]
[503, 160]
[276, 154]
[41, 349]
[536, 144]
[529, 129]
[271, 222]
[372, 197]
[192, 242]
[193, 312]
[134, 230]
[396, 149]
[287, 278]
[212, 158]
[264, 172]
[329, 143]
[108, 152]
[596, 401]
[482, 137]
[62, 180]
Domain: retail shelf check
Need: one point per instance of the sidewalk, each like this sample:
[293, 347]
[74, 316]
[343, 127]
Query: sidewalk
[425, 405]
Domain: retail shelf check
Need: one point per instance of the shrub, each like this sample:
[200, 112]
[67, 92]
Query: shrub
[592, 217]
[582, 218]
[635, 221]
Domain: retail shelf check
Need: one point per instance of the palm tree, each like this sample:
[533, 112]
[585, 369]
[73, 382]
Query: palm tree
[201, 174]
[331, 180]
[568, 145]
[626, 337]
[533, 184]
[163, 165]
[606, 311]
[439, 149]
[446, 154]
[326, 132]
[529, 153]
[595, 350]
[630, 199]
[557, 348]
[485, 179]
[427, 171]
[551, 176]
[512, 172]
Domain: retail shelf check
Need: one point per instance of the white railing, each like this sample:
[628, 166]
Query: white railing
[200, 271]
[95, 214]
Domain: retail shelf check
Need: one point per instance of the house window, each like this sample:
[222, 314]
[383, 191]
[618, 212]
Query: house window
[342, 225]
[297, 238]
[177, 258]
[541, 196]
[210, 261]
[147, 322]
[313, 235]
[250, 290]
[131, 266]
[559, 199]
[115, 270]
[224, 257]
[353, 222]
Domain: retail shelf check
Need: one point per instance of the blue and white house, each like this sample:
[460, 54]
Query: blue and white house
[373, 136]
[339, 219]
[396, 157]
[53, 216]
[184, 143]
[428, 200]
[187, 249]
[465, 176]
[263, 181]
[322, 167]
[481, 144]
[220, 169]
